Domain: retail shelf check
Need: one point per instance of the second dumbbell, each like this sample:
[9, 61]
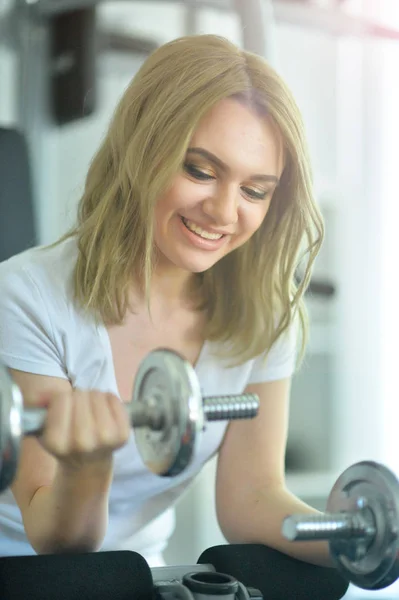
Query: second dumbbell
[361, 525]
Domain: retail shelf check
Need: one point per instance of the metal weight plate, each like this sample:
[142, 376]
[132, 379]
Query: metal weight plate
[368, 485]
[168, 382]
[11, 405]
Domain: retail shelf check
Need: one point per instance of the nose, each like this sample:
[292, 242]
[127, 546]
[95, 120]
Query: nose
[222, 206]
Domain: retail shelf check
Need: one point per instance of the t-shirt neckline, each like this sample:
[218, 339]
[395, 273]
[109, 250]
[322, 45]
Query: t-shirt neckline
[106, 343]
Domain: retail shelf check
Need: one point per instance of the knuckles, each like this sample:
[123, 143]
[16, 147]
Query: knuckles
[85, 423]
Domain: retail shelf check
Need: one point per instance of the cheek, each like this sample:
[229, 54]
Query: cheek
[182, 195]
[253, 216]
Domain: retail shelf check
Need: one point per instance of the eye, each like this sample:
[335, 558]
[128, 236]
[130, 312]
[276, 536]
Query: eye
[256, 195]
[197, 173]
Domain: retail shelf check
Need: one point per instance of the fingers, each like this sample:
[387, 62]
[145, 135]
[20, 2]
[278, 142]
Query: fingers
[85, 425]
[83, 434]
[57, 429]
[110, 421]
[120, 418]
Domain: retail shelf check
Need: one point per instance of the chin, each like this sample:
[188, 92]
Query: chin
[196, 266]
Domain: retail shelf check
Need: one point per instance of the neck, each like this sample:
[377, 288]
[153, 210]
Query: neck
[170, 290]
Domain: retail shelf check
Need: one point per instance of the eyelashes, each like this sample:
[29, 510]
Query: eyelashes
[198, 173]
[201, 175]
[254, 194]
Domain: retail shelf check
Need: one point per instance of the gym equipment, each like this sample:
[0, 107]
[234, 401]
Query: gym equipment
[199, 582]
[119, 575]
[167, 414]
[276, 575]
[253, 571]
[361, 525]
[73, 47]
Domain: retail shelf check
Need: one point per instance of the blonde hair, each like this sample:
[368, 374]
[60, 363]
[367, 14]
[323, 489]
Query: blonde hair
[251, 296]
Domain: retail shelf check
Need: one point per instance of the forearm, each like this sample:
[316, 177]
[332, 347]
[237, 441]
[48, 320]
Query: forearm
[258, 520]
[72, 513]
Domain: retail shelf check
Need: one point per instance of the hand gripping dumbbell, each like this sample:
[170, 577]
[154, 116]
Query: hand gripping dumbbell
[167, 414]
[361, 524]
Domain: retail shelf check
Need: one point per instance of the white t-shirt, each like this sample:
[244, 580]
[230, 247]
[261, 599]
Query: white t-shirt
[43, 332]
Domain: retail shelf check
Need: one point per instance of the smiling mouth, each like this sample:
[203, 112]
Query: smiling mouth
[202, 233]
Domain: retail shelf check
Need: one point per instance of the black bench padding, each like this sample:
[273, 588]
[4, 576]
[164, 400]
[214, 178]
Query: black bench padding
[97, 576]
[276, 575]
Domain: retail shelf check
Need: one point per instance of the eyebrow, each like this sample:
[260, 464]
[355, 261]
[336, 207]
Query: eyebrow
[224, 167]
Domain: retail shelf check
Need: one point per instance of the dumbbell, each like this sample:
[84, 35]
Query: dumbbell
[167, 414]
[361, 524]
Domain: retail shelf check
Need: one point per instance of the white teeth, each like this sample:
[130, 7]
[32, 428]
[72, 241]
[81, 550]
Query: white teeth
[201, 232]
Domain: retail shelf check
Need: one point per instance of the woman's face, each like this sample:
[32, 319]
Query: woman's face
[223, 192]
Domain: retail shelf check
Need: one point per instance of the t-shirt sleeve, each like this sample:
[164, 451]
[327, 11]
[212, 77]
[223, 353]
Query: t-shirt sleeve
[27, 340]
[281, 360]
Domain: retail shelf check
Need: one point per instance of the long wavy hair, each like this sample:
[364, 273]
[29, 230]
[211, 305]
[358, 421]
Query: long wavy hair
[251, 296]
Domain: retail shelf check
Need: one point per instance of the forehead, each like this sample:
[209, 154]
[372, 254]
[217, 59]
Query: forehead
[241, 138]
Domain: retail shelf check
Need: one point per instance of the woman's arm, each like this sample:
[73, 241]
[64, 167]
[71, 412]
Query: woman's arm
[63, 480]
[251, 496]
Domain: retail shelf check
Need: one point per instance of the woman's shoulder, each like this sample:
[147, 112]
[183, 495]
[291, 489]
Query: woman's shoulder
[40, 329]
[48, 269]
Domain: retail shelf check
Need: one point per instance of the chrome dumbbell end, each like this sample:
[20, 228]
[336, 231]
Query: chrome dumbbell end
[11, 429]
[289, 528]
[243, 406]
[328, 527]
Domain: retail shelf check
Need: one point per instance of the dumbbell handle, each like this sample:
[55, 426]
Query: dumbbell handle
[345, 525]
[216, 408]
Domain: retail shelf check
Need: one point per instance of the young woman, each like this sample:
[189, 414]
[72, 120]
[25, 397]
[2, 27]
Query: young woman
[195, 211]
